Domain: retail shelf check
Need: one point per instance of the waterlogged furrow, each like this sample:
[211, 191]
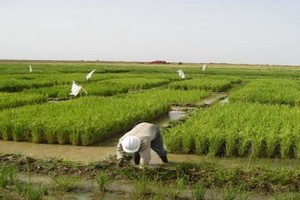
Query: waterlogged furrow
[271, 91]
[216, 84]
[239, 130]
[86, 120]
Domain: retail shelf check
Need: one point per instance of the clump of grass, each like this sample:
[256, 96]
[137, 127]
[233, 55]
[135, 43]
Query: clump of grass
[232, 193]
[9, 182]
[7, 176]
[29, 191]
[102, 180]
[65, 183]
[140, 187]
[198, 192]
[180, 183]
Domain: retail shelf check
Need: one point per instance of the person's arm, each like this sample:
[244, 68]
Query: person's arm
[120, 154]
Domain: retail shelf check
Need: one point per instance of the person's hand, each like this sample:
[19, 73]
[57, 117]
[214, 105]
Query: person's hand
[120, 162]
[142, 166]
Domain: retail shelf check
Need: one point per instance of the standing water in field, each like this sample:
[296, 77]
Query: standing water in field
[224, 101]
[176, 113]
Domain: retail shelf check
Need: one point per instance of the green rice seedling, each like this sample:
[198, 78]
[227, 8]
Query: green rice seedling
[216, 143]
[297, 147]
[188, 143]
[231, 193]
[64, 122]
[231, 143]
[75, 136]
[244, 146]
[6, 132]
[157, 196]
[37, 133]
[138, 82]
[180, 183]
[65, 183]
[216, 84]
[18, 134]
[141, 188]
[31, 191]
[201, 144]
[12, 100]
[8, 176]
[286, 141]
[198, 192]
[103, 180]
[173, 141]
[271, 91]
[271, 144]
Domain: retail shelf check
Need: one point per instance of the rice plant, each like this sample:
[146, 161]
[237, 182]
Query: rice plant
[270, 91]
[8, 176]
[198, 192]
[141, 187]
[65, 183]
[238, 129]
[87, 120]
[103, 180]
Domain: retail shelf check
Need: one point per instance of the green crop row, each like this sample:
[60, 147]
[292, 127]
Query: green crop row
[138, 83]
[11, 100]
[107, 87]
[216, 84]
[87, 120]
[17, 83]
[271, 91]
[239, 129]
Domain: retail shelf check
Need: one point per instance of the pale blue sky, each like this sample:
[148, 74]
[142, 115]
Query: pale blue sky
[227, 31]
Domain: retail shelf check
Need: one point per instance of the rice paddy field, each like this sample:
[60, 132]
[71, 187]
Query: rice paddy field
[258, 121]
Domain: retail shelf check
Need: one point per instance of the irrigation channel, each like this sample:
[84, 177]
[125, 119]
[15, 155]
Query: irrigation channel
[101, 151]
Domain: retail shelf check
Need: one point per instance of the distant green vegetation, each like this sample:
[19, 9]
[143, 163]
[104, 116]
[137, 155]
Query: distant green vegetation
[271, 91]
[11, 100]
[108, 87]
[216, 84]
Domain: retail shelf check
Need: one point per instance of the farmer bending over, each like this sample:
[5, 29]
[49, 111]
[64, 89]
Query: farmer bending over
[139, 141]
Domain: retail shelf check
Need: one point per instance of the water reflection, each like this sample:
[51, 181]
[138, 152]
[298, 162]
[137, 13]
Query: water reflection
[176, 115]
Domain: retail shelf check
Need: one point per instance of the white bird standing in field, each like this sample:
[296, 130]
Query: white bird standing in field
[30, 69]
[181, 74]
[203, 69]
[76, 89]
[89, 75]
